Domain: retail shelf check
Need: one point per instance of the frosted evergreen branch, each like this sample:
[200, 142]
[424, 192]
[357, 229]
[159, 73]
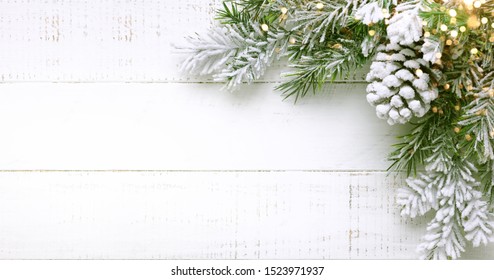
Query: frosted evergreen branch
[411, 152]
[207, 54]
[418, 197]
[477, 222]
[234, 53]
[318, 24]
[311, 72]
[258, 51]
[478, 120]
[448, 186]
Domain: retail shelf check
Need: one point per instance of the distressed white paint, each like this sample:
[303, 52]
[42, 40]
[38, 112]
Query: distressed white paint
[243, 175]
[187, 127]
[244, 215]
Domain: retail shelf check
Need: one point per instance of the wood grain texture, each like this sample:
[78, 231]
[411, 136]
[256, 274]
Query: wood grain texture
[239, 175]
[205, 215]
[225, 215]
[88, 41]
[188, 127]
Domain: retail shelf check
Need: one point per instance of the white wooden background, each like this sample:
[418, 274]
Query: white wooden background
[107, 152]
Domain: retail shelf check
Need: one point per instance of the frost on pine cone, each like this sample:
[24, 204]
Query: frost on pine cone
[399, 86]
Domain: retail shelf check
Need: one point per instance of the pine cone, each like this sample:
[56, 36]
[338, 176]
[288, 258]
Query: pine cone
[399, 86]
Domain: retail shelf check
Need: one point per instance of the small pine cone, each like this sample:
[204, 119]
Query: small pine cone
[399, 87]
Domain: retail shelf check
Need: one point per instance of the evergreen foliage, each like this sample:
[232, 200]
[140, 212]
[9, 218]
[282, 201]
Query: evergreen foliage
[432, 66]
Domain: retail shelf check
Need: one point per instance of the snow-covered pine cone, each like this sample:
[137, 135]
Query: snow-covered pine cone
[399, 85]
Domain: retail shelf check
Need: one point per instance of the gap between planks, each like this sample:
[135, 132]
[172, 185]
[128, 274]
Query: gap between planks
[197, 171]
[159, 82]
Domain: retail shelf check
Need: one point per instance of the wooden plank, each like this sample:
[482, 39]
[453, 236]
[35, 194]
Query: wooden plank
[202, 215]
[188, 127]
[205, 215]
[78, 40]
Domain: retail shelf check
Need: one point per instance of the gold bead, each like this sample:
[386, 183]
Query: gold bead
[292, 40]
[427, 34]
[474, 51]
[457, 130]
[457, 107]
[419, 73]
[449, 42]
[468, 137]
[463, 29]
[435, 109]
[447, 87]
[372, 32]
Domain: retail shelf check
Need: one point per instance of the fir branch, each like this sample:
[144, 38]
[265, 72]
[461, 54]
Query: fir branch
[478, 121]
[487, 180]
[235, 53]
[449, 187]
[411, 153]
[258, 50]
[231, 14]
[318, 24]
[208, 54]
[327, 64]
